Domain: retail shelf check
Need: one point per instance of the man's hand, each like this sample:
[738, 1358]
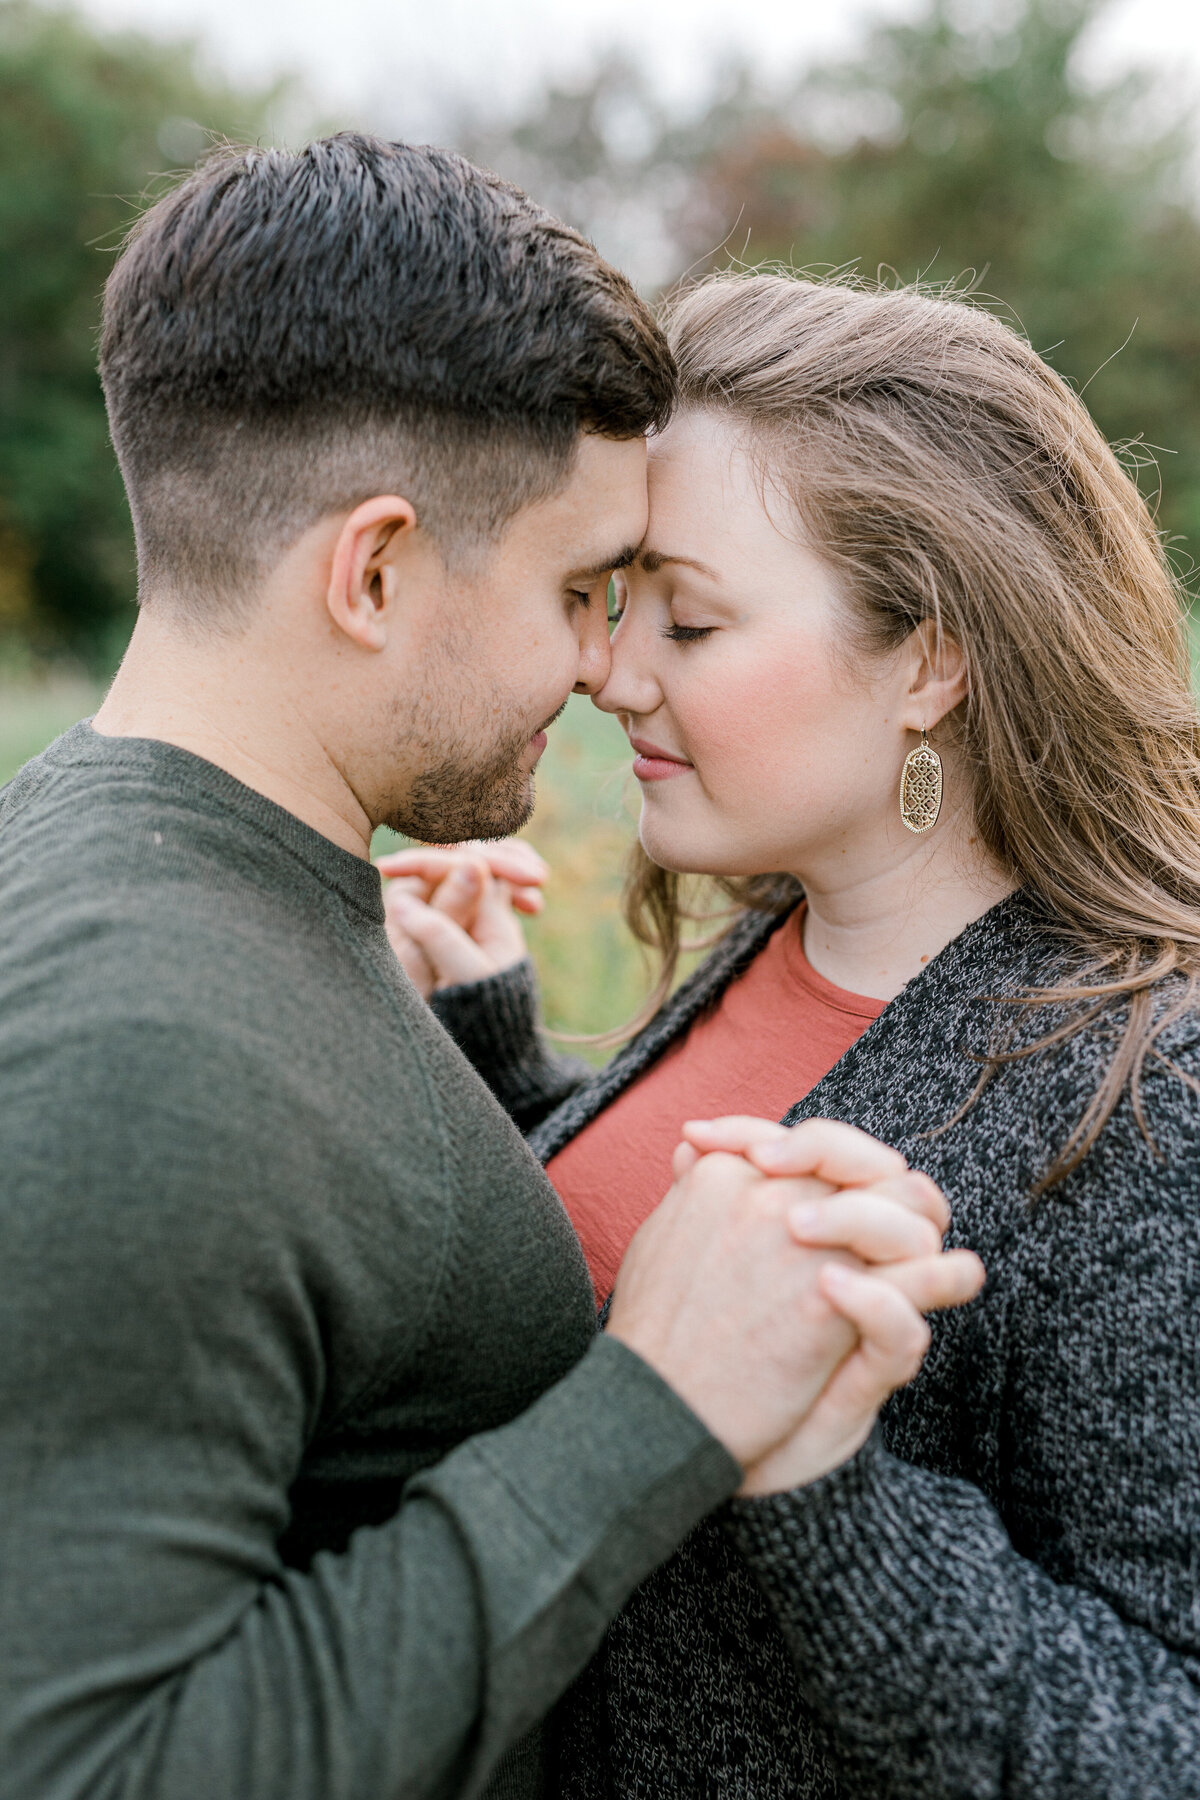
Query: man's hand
[451, 909]
[893, 1339]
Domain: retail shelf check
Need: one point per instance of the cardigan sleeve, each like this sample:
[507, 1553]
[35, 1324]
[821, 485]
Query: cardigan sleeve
[943, 1657]
[495, 1023]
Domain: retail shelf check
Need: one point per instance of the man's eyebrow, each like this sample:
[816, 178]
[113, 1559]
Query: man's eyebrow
[654, 560]
[621, 560]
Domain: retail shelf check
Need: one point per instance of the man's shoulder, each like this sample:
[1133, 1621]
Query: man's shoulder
[111, 797]
[134, 904]
[130, 832]
[99, 869]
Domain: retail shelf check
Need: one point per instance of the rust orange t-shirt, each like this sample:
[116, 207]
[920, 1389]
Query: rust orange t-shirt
[777, 1030]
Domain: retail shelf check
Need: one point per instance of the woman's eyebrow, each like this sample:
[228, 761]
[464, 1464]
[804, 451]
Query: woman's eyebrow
[653, 560]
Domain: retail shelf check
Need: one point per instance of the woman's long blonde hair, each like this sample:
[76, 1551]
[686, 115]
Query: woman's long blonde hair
[947, 474]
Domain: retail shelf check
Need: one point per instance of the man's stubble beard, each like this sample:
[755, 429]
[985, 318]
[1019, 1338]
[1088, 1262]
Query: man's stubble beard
[465, 787]
[464, 791]
[460, 797]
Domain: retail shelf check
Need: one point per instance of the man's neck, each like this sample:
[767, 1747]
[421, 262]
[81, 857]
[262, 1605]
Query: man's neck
[872, 928]
[229, 700]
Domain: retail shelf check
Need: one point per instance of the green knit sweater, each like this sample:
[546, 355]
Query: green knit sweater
[315, 1482]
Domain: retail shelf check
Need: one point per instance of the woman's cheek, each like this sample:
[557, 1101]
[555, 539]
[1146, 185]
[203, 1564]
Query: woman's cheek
[754, 720]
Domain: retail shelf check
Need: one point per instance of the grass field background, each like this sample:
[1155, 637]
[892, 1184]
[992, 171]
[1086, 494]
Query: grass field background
[593, 975]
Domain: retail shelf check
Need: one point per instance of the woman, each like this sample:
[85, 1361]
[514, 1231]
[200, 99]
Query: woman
[904, 670]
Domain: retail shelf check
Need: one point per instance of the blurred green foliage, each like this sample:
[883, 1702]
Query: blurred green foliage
[965, 144]
[981, 150]
[88, 123]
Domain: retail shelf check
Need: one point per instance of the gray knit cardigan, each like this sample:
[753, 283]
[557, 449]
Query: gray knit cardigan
[1000, 1594]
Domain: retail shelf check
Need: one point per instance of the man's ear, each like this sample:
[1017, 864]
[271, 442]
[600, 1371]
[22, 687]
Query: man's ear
[363, 576]
[938, 677]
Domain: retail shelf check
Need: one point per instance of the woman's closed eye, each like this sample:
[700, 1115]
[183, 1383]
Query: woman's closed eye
[687, 634]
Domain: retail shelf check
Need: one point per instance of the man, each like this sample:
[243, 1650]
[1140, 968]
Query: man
[314, 1477]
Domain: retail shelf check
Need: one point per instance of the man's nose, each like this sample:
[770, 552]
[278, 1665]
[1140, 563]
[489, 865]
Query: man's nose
[595, 656]
[633, 684]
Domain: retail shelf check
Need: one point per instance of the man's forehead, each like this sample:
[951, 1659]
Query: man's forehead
[595, 521]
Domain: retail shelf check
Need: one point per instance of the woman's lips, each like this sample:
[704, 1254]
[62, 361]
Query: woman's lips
[652, 764]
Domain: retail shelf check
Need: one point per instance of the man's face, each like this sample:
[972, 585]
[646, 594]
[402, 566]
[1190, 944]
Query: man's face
[490, 659]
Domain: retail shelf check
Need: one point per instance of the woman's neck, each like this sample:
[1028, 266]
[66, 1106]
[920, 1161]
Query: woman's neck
[870, 928]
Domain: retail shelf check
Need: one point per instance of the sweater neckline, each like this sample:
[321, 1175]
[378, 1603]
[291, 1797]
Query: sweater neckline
[988, 943]
[215, 790]
[982, 961]
[801, 972]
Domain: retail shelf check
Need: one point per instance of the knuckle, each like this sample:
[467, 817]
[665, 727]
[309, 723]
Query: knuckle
[439, 930]
[929, 1237]
[765, 1201]
[813, 1131]
[840, 1206]
[708, 1176]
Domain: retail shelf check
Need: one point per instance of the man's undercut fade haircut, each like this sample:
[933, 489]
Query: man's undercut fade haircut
[288, 333]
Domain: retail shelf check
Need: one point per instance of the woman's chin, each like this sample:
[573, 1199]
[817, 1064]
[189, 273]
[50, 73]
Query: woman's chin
[683, 854]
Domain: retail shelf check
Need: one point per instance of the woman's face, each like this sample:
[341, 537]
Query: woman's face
[781, 747]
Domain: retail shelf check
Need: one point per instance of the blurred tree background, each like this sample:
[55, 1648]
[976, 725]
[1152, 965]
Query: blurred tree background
[964, 145]
[87, 124]
[967, 145]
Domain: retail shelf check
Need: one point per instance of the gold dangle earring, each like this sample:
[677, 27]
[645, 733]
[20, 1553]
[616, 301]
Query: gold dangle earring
[921, 787]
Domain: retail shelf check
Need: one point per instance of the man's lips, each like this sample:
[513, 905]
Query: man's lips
[650, 763]
[537, 742]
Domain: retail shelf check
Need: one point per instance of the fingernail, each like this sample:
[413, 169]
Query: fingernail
[773, 1155]
[465, 878]
[834, 1276]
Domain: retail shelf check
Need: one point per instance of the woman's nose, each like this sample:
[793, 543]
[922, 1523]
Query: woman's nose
[632, 686]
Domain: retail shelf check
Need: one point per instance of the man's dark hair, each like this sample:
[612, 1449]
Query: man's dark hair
[287, 333]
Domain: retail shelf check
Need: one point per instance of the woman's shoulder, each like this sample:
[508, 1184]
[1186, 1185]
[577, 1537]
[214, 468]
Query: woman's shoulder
[1071, 1047]
[983, 1083]
[1022, 978]
[1099, 1140]
[1157, 1116]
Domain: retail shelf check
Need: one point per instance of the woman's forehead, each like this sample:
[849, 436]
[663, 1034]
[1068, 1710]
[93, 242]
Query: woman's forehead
[711, 502]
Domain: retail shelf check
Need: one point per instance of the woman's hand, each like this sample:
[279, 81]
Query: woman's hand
[893, 1227]
[451, 910]
[893, 1338]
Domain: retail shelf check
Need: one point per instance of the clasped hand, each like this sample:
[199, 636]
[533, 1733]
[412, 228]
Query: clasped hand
[451, 909]
[818, 1252]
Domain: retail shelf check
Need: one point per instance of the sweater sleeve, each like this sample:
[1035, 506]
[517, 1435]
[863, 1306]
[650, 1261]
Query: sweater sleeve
[1055, 1654]
[495, 1023]
[164, 1353]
